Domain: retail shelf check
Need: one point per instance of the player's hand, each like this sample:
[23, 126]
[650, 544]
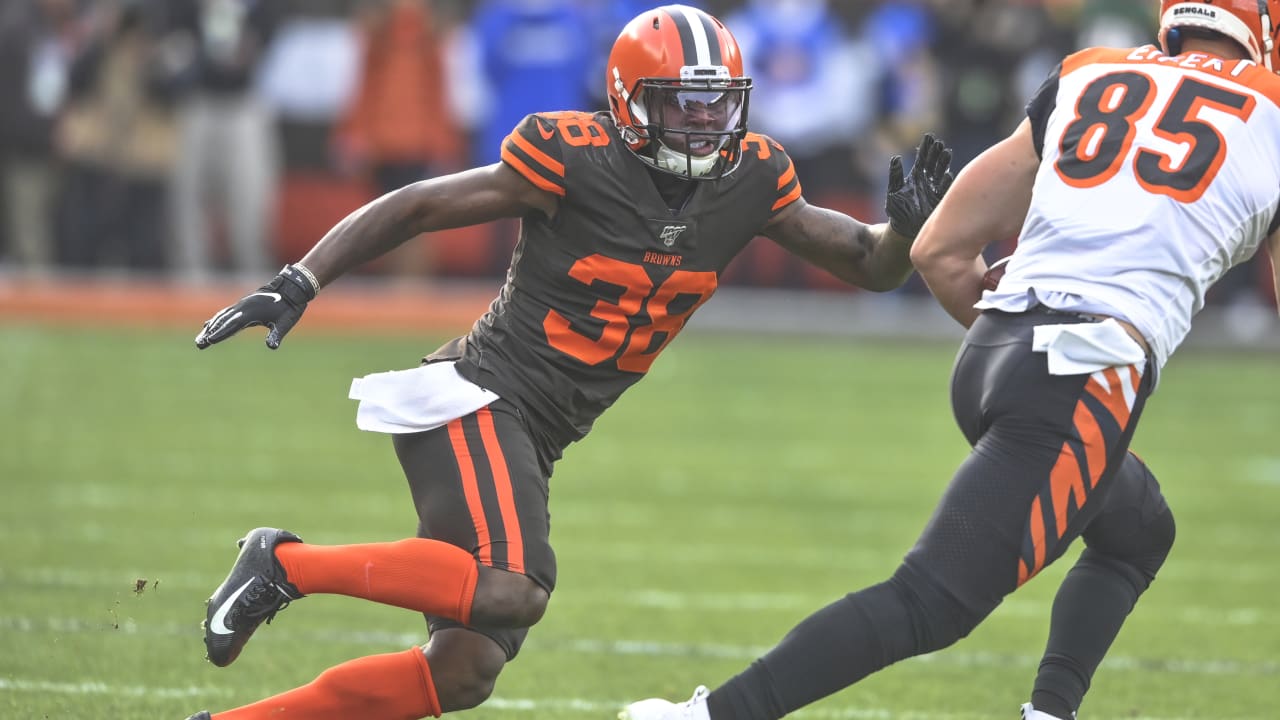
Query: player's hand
[278, 305]
[912, 198]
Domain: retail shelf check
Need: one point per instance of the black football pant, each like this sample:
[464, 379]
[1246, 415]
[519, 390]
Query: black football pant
[1050, 463]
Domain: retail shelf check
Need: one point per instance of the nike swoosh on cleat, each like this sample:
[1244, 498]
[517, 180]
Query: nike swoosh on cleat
[218, 624]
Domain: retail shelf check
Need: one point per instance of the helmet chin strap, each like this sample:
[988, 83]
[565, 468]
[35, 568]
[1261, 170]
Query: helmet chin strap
[680, 163]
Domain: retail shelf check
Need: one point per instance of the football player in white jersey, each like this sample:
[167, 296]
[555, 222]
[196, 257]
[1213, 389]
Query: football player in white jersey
[1139, 177]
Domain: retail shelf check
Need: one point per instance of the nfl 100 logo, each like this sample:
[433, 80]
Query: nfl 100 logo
[671, 233]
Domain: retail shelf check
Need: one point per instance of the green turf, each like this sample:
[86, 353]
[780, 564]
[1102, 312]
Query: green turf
[745, 483]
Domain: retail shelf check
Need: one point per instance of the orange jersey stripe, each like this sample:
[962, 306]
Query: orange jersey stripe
[506, 494]
[528, 173]
[1065, 480]
[787, 199]
[471, 489]
[543, 159]
[1112, 396]
[788, 175]
[786, 178]
[1095, 445]
[1036, 520]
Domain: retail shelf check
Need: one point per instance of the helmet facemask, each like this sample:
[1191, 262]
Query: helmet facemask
[691, 126]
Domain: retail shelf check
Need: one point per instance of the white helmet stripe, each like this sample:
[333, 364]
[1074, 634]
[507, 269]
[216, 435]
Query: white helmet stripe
[701, 43]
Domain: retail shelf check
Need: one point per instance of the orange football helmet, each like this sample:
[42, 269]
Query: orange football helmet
[677, 92]
[1251, 23]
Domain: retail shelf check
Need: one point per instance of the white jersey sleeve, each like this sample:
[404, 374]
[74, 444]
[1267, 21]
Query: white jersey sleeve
[1157, 175]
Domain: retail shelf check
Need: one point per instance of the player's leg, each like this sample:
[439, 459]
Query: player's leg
[481, 556]
[391, 686]
[1126, 545]
[461, 474]
[1045, 449]
[498, 506]
[455, 671]
[476, 484]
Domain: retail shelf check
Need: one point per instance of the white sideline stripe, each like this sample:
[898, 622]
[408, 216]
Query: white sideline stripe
[658, 599]
[644, 648]
[90, 687]
[652, 598]
[513, 705]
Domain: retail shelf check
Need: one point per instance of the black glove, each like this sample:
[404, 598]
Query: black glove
[911, 200]
[278, 305]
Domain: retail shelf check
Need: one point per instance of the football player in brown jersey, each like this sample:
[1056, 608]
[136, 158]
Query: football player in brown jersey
[628, 218]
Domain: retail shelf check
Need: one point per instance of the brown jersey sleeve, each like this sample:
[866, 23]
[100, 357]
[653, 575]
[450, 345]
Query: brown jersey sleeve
[534, 150]
[770, 152]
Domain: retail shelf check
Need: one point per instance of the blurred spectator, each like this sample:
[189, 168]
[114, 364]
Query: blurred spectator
[813, 87]
[1115, 23]
[415, 85]
[535, 55]
[908, 88]
[225, 180]
[315, 40]
[117, 137]
[814, 92]
[399, 129]
[399, 125]
[981, 42]
[38, 40]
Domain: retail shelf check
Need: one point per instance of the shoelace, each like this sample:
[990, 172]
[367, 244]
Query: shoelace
[256, 606]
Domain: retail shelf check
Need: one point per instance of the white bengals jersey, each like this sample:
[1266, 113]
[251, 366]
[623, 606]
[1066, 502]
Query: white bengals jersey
[1157, 175]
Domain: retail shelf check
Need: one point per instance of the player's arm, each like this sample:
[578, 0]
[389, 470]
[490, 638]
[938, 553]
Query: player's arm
[471, 197]
[988, 202]
[869, 256]
[875, 257]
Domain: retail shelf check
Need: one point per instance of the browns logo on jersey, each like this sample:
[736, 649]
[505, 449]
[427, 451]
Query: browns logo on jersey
[594, 295]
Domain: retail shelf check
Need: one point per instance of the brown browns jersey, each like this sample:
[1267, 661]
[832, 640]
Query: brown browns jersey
[594, 295]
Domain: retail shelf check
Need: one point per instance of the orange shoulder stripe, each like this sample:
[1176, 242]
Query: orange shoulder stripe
[540, 157]
[787, 199]
[529, 173]
[788, 175]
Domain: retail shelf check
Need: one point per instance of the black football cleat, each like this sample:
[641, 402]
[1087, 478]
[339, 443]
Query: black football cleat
[202, 715]
[255, 591]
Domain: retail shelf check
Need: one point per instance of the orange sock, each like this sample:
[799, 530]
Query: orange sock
[416, 574]
[396, 686]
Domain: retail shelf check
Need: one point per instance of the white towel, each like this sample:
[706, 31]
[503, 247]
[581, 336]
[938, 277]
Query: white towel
[1083, 348]
[423, 398]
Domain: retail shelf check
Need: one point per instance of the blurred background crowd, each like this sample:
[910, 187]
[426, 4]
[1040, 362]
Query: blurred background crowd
[199, 139]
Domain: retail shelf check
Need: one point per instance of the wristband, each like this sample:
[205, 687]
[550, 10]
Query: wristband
[311, 278]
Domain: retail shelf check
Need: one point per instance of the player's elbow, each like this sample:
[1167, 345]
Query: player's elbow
[925, 254]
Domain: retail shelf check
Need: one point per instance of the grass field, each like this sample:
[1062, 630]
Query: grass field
[745, 483]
